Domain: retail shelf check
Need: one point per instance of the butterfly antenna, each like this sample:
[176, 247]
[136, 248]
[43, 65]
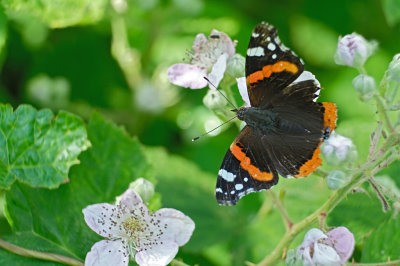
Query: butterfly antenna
[220, 93]
[196, 138]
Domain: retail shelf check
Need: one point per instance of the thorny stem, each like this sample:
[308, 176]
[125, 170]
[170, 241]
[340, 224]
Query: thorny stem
[38, 255]
[382, 112]
[285, 216]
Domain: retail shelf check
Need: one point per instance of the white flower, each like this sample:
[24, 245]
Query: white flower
[152, 239]
[353, 50]
[338, 149]
[209, 60]
[331, 249]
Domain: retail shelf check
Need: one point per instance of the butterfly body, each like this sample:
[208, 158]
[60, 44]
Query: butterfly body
[285, 126]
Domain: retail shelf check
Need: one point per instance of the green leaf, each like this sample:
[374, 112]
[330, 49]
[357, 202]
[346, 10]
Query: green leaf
[185, 187]
[360, 213]
[391, 9]
[52, 220]
[37, 148]
[59, 13]
[383, 243]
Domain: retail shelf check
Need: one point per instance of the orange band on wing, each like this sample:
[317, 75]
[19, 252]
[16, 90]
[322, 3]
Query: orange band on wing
[245, 163]
[311, 164]
[267, 71]
[330, 115]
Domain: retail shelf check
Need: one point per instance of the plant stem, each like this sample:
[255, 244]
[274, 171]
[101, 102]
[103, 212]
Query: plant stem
[38, 255]
[382, 112]
[285, 216]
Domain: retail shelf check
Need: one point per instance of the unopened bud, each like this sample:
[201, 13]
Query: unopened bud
[353, 50]
[144, 188]
[214, 100]
[393, 72]
[338, 149]
[337, 179]
[236, 66]
[365, 86]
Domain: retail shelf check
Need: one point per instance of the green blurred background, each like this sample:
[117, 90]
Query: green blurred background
[85, 55]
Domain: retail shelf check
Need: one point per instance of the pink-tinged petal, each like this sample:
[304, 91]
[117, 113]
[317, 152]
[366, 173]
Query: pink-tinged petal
[325, 255]
[179, 227]
[241, 82]
[312, 236]
[188, 76]
[157, 255]
[107, 252]
[218, 70]
[102, 218]
[224, 42]
[199, 42]
[343, 242]
[132, 203]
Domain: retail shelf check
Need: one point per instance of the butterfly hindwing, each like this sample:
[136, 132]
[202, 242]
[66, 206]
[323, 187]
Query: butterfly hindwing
[246, 168]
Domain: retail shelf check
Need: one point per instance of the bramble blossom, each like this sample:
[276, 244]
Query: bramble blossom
[332, 248]
[152, 239]
[209, 60]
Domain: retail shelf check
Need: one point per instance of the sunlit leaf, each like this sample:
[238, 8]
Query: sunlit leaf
[38, 148]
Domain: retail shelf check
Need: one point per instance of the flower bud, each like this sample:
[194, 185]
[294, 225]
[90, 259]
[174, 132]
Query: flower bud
[236, 66]
[337, 179]
[365, 86]
[338, 149]
[393, 72]
[143, 187]
[214, 100]
[353, 50]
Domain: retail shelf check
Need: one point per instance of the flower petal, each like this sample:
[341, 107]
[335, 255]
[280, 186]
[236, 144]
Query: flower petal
[131, 203]
[225, 43]
[188, 76]
[241, 82]
[159, 254]
[179, 227]
[343, 242]
[218, 70]
[102, 218]
[313, 235]
[107, 252]
[199, 42]
[325, 255]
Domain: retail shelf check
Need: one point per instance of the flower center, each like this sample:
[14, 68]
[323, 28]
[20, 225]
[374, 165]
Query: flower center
[132, 226]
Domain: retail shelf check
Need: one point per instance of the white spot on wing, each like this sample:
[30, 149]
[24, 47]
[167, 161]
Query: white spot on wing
[226, 175]
[245, 179]
[238, 186]
[232, 192]
[218, 189]
[268, 39]
[307, 75]
[274, 56]
[255, 34]
[271, 46]
[255, 51]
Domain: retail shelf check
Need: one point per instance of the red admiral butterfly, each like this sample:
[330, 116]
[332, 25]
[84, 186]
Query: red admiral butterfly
[285, 126]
